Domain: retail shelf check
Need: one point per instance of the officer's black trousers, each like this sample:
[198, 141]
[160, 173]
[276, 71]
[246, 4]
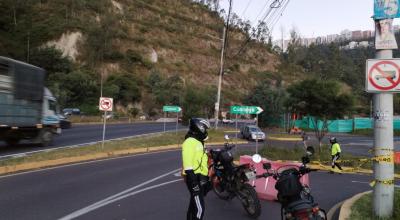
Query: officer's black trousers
[196, 205]
[334, 161]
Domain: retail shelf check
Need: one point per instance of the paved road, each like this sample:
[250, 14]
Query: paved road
[80, 134]
[114, 189]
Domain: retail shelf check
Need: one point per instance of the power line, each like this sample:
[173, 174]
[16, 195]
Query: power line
[262, 10]
[267, 15]
[247, 6]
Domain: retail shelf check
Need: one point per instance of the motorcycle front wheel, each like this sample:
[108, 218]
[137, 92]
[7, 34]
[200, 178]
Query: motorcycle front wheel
[250, 201]
[218, 188]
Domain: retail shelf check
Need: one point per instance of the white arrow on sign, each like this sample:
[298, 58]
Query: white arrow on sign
[259, 110]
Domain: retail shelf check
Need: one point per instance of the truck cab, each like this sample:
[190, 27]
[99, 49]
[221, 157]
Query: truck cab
[28, 110]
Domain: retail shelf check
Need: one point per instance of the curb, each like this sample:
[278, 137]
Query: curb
[348, 170]
[102, 155]
[284, 139]
[345, 210]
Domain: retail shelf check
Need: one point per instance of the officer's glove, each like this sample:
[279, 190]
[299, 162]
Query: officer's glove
[193, 182]
[205, 183]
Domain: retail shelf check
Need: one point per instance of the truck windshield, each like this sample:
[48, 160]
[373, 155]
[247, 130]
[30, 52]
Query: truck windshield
[255, 130]
[53, 105]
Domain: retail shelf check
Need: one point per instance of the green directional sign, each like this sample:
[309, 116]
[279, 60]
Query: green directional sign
[171, 108]
[243, 110]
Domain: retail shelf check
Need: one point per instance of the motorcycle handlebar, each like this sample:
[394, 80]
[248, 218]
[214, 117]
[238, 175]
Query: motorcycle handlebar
[264, 175]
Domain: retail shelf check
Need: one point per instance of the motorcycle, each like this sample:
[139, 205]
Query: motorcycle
[296, 200]
[230, 180]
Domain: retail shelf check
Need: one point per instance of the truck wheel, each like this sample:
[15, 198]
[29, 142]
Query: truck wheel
[46, 137]
[12, 141]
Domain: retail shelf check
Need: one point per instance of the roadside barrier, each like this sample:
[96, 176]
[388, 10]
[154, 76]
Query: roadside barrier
[397, 158]
[265, 187]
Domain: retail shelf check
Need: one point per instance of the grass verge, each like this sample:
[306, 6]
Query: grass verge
[295, 154]
[370, 132]
[110, 149]
[362, 208]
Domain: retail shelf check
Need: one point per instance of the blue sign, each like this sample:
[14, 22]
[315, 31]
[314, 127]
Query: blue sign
[384, 9]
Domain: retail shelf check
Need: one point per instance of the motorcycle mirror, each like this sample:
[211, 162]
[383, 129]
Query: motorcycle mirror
[310, 151]
[226, 137]
[256, 158]
[267, 166]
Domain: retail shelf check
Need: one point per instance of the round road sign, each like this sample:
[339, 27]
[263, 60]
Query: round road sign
[384, 75]
[106, 104]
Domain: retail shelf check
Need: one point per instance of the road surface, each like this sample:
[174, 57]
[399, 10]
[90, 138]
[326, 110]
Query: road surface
[145, 187]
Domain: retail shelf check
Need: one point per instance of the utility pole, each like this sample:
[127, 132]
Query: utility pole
[221, 71]
[383, 190]
[383, 145]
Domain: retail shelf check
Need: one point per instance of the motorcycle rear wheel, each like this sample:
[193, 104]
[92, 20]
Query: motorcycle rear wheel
[217, 188]
[250, 201]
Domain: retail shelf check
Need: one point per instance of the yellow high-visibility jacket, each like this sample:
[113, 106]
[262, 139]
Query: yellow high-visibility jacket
[335, 149]
[194, 157]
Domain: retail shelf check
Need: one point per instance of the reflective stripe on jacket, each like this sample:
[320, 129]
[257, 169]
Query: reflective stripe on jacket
[335, 149]
[194, 156]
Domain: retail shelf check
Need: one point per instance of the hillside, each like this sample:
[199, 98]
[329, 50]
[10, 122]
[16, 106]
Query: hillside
[150, 52]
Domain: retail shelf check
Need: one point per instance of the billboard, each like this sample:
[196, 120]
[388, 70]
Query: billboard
[384, 9]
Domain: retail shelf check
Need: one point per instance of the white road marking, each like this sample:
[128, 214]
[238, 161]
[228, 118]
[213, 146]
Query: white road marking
[85, 162]
[119, 196]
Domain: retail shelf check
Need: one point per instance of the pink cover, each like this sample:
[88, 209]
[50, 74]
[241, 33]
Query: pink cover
[265, 187]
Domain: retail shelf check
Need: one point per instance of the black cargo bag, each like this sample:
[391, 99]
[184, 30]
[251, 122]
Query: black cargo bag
[288, 185]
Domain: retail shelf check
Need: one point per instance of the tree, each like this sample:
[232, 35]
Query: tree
[123, 88]
[322, 100]
[270, 98]
[198, 102]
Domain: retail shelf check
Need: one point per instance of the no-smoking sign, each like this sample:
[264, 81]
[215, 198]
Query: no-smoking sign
[106, 104]
[383, 75]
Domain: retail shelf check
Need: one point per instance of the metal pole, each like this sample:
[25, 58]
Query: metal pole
[165, 116]
[177, 119]
[383, 146]
[221, 71]
[257, 135]
[104, 129]
[236, 122]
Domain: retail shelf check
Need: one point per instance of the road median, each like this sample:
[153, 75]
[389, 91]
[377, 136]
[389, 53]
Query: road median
[154, 143]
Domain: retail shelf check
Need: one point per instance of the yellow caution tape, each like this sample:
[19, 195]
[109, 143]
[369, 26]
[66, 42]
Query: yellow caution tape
[384, 159]
[381, 148]
[385, 182]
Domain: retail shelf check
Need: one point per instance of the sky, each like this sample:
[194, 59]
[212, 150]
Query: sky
[312, 18]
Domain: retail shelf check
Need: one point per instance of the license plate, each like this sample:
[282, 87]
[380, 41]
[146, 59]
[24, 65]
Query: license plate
[58, 131]
[250, 175]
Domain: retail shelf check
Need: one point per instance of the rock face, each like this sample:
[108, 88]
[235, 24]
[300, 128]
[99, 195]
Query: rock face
[68, 44]
[153, 56]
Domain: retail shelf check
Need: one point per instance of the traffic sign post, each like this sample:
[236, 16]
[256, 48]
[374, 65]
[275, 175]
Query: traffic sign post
[105, 104]
[247, 110]
[171, 108]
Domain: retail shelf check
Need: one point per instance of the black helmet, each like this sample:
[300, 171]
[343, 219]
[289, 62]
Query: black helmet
[332, 140]
[198, 128]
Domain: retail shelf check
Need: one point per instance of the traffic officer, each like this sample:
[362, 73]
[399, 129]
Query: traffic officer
[195, 168]
[335, 153]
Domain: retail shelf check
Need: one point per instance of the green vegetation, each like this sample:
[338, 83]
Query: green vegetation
[347, 160]
[370, 132]
[362, 209]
